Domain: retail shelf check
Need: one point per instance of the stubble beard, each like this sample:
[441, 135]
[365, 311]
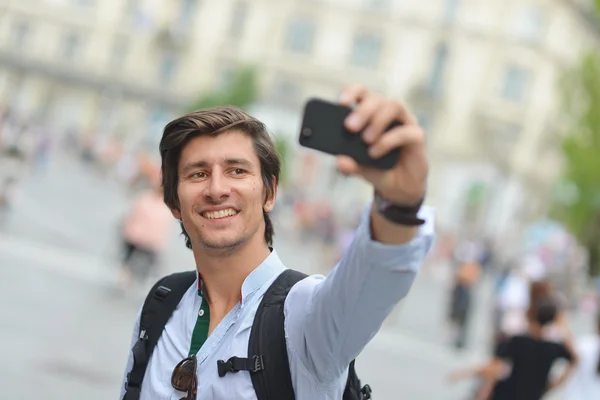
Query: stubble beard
[219, 249]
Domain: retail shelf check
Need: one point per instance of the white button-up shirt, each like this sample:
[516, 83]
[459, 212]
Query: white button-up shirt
[328, 321]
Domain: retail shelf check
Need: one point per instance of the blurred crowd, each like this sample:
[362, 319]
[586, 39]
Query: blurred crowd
[28, 144]
[532, 299]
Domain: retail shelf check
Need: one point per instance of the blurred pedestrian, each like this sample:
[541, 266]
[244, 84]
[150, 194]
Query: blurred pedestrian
[146, 230]
[461, 301]
[585, 381]
[517, 295]
[521, 367]
[42, 149]
[7, 197]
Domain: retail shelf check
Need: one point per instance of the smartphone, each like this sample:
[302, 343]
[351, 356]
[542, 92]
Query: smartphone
[323, 129]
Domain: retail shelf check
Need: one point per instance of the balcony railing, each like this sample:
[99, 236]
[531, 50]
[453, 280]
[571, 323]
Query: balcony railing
[72, 75]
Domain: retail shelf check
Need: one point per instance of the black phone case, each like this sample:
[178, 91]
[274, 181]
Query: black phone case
[323, 129]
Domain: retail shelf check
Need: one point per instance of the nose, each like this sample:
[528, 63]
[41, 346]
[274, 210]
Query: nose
[218, 187]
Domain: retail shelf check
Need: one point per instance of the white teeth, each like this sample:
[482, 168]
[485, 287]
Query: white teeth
[219, 214]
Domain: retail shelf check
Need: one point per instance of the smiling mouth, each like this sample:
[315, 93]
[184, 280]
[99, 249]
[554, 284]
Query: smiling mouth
[229, 212]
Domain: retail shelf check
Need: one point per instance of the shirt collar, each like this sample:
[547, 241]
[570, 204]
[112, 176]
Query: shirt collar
[257, 278]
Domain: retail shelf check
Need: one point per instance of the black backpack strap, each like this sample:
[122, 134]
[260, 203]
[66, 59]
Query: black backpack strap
[354, 390]
[267, 349]
[267, 341]
[160, 303]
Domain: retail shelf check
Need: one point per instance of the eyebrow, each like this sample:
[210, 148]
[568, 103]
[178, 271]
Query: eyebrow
[228, 161]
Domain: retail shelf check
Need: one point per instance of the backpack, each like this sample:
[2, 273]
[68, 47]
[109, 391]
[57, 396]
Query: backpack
[268, 363]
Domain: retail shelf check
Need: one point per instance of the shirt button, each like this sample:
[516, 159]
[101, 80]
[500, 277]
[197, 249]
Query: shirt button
[201, 312]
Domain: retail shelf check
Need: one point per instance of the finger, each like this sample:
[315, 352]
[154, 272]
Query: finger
[353, 94]
[362, 114]
[348, 166]
[380, 121]
[406, 116]
[397, 137]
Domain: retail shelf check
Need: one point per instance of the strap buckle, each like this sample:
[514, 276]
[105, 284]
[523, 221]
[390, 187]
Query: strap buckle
[162, 292]
[225, 367]
[366, 391]
[259, 363]
[236, 364]
[132, 391]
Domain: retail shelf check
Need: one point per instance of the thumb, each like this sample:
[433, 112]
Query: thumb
[348, 166]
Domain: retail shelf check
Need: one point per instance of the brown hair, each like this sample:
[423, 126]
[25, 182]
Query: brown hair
[214, 121]
[539, 292]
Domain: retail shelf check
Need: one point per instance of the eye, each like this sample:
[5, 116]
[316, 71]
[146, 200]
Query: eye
[198, 175]
[239, 171]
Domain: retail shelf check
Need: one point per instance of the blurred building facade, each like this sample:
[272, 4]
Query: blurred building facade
[481, 75]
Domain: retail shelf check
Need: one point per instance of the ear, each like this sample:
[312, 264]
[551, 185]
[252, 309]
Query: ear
[176, 213]
[270, 202]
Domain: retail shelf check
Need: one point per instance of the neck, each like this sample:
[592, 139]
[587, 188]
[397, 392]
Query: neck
[224, 273]
[535, 330]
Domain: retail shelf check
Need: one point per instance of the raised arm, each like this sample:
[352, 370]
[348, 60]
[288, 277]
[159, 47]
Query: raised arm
[341, 313]
[569, 354]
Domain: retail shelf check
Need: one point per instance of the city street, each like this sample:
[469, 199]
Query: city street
[65, 330]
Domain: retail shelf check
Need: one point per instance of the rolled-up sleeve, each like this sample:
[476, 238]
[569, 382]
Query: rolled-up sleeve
[330, 320]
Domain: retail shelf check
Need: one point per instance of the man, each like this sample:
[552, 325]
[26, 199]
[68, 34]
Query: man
[527, 361]
[220, 174]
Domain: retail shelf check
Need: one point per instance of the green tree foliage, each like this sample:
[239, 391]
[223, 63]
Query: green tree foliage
[580, 211]
[284, 148]
[240, 91]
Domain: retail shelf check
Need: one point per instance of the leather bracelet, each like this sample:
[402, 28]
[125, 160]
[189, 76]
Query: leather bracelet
[398, 214]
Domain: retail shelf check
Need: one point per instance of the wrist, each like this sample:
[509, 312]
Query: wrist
[387, 232]
[401, 214]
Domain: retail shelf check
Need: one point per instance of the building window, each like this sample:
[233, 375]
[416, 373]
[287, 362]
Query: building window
[187, 10]
[19, 34]
[516, 83]
[529, 23]
[436, 78]
[300, 35]
[238, 19]
[505, 138]
[167, 67]
[450, 10]
[366, 50]
[84, 3]
[140, 18]
[377, 5]
[71, 46]
[286, 91]
[131, 8]
[425, 119]
[157, 119]
[119, 54]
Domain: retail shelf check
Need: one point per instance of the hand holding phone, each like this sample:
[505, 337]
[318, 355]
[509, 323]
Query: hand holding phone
[367, 131]
[323, 129]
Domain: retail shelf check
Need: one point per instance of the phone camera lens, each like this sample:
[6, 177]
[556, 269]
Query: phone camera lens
[307, 132]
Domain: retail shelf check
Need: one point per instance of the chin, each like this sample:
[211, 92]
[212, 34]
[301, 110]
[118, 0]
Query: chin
[223, 244]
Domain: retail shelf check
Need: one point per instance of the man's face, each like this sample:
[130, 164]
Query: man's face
[221, 193]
